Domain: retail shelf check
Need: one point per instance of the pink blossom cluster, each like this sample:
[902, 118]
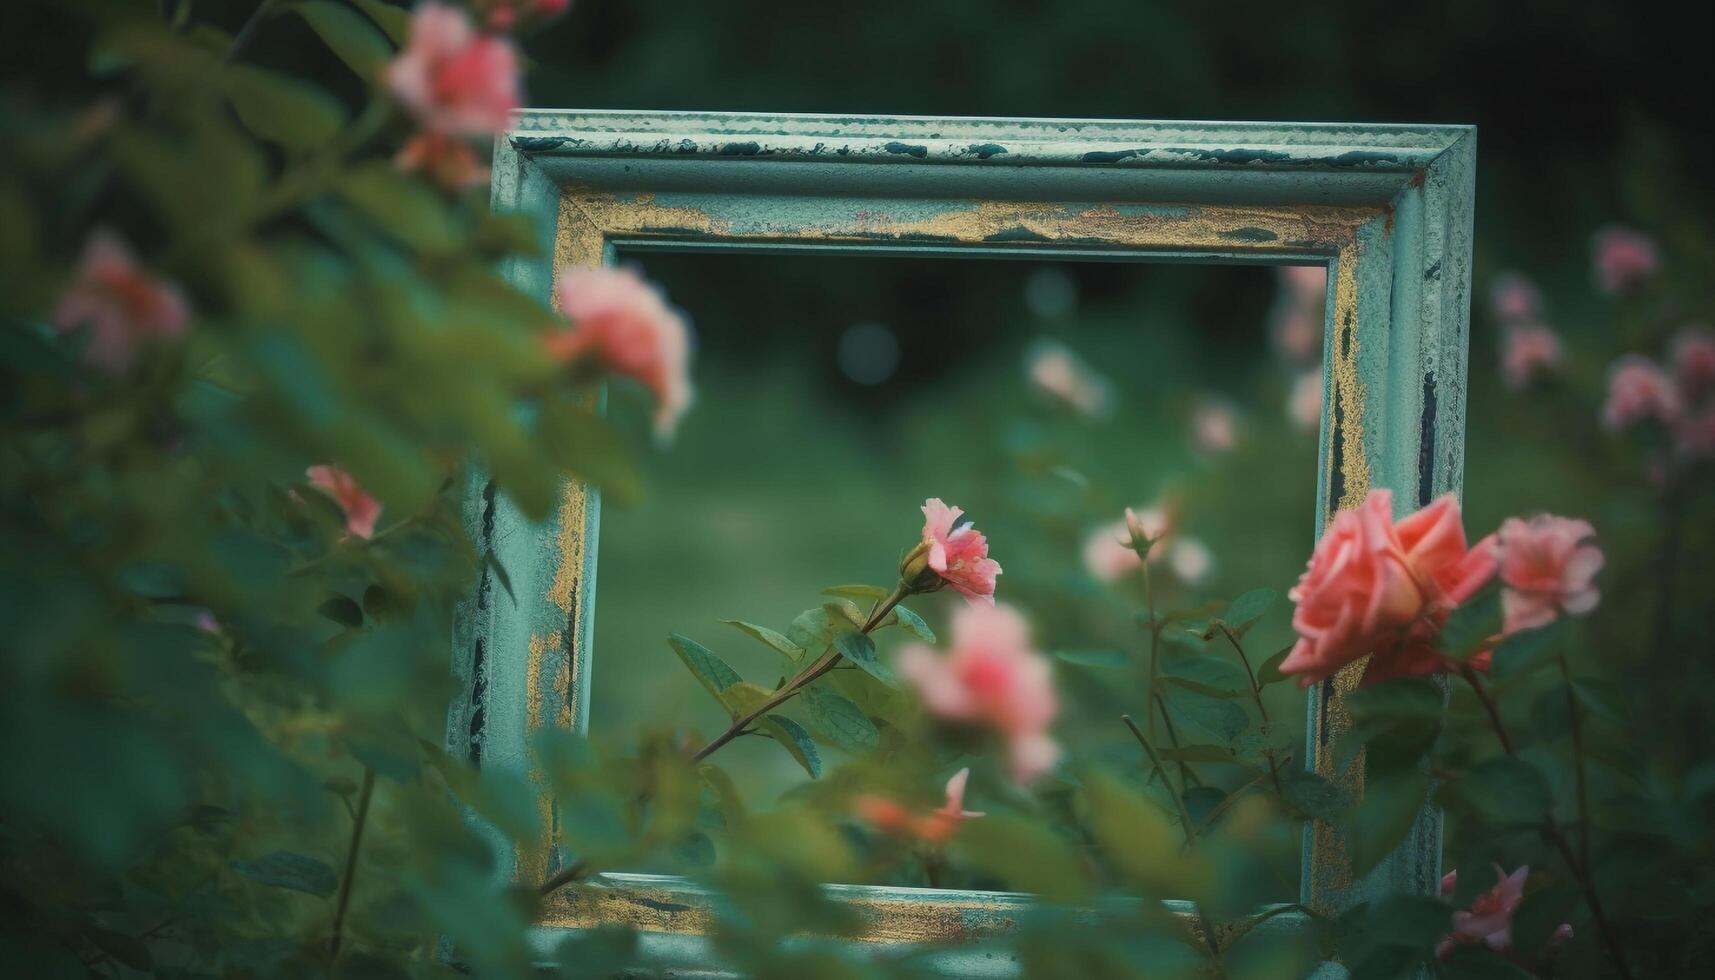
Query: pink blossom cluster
[1679, 398]
[117, 305]
[1489, 920]
[1109, 554]
[890, 816]
[457, 82]
[622, 324]
[1529, 346]
[1063, 378]
[1383, 588]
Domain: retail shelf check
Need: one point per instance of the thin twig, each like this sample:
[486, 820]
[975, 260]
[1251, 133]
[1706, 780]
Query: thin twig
[248, 31]
[1256, 696]
[1178, 795]
[1577, 727]
[357, 825]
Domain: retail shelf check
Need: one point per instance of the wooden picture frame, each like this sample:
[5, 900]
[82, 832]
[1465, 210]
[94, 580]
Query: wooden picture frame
[1387, 208]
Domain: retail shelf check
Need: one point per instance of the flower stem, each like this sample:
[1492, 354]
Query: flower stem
[1261, 709]
[345, 882]
[1551, 829]
[1177, 794]
[829, 659]
[1577, 727]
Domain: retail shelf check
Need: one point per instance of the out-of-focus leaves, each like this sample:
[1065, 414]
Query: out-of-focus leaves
[1143, 842]
[1469, 627]
[407, 209]
[1268, 672]
[1502, 791]
[1217, 677]
[1391, 936]
[1395, 722]
[342, 610]
[392, 18]
[1094, 658]
[1527, 650]
[280, 108]
[349, 34]
[1390, 805]
[604, 951]
[858, 593]
[1024, 854]
[285, 869]
[1217, 718]
[1312, 795]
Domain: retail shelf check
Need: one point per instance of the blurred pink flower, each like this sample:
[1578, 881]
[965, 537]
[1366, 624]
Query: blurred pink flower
[121, 305]
[447, 160]
[625, 326]
[1152, 523]
[1214, 427]
[1694, 362]
[1064, 378]
[1374, 585]
[1304, 402]
[1190, 560]
[1514, 298]
[454, 80]
[1623, 259]
[1638, 390]
[1527, 349]
[1108, 555]
[361, 510]
[959, 555]
[935, 827]
[1296, 322]
[1547, 565]
[1490, 918]
[993, 678]
[504, 15]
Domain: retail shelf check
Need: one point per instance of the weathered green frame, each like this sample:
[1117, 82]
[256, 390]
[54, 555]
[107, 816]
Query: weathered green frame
[1388, 208]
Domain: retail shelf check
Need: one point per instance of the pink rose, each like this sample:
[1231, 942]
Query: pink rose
[1528, 348]
[1108, 555]
[625, 325]
[1694, 362]
[992, 678]
[1638, 390]
[361, 510]
[1374, 585]
[1547, 565]
[1189, 560]
[1623, 260]
[959, 555]
[120, 305]
[935, 827]
[1490, 918]
[1214, 427]
[1063, 378]
[446, 160]
[1304, 402]
[453, 79]
[1514, 298]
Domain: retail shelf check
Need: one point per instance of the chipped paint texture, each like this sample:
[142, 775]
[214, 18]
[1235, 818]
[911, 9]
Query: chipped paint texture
[1388, 208]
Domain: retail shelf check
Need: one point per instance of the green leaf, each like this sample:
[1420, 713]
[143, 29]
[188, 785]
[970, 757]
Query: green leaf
[711, 671]
[393, 19]
[1222, 719]
[282, 109]
[859, 649]
[1247, 609]
[1542, 912]
[1526, 651]
[342, 610]
[604, 951]
[1311, 795]
[584, 443]
[1269, 671]
[1502, 792]
[1470, 626]
[842, 721]
[796, 740]
[1025, 854]
[813, 630]
[786, 648]
[349, 34]
[125, 948]
[286, 869]
[859, 593]
[1389, 808]
[1216, 677]
[492, 560]
[1396, 721]
[914, 624]
[1094, 658]
[407, 209]
[1475, 961]
[1143, 842]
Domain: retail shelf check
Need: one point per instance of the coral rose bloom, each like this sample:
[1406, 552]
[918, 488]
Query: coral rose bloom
[120, 305]
[1514, 298]
[1528, 348]
[959, 555]
[992, 678]
[1548, 565]
[936, 827]
[624, 324]
[453, 79]
[1490, 918]
[1374, 585]
[361, 510]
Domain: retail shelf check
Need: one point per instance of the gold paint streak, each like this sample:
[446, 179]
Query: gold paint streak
[1355, 466]
[569, 546]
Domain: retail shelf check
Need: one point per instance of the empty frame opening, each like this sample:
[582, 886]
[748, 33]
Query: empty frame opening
[835, 393]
